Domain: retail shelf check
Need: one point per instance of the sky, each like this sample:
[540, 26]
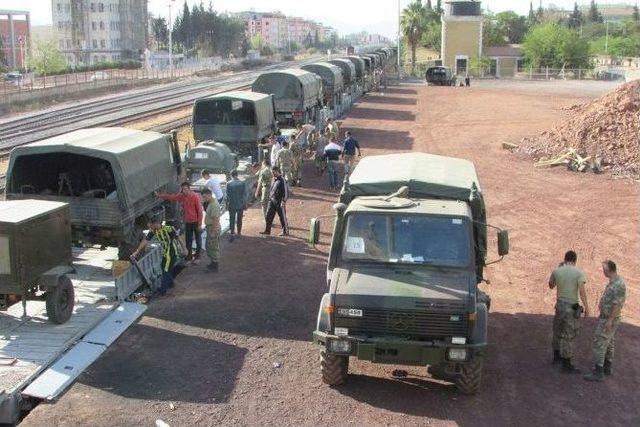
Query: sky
[346, 16]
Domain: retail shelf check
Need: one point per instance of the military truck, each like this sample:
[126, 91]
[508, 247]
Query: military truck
[35, 256]
[298, 94]
[440, 76]
[332, 82]
[348, 72]
[239, 119]
[107, 176]
[408, 252]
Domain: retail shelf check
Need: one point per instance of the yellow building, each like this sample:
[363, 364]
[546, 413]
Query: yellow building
[461, 34]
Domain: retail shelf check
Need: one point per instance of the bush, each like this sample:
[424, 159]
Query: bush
[129, 64]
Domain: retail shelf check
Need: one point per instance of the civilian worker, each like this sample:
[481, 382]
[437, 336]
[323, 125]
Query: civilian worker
[167, 238]
[332, 154]
[214, 230]
[277, 203]
[191, 215]
[569, 282]
[264, 183]
[213, 184]
[236, 205]
[350, 146]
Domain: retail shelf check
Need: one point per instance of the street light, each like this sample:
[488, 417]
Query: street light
[170, 40]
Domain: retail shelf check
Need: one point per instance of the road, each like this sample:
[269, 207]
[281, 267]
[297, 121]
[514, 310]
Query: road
[234, 348]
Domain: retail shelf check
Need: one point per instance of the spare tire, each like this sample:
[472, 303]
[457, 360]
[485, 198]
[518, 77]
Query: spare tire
[60, 300]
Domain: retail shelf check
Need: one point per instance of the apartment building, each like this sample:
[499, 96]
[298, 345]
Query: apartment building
[15, 33]
[96, 31]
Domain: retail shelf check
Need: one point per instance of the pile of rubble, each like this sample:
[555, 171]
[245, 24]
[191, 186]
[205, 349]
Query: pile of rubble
[603, 134]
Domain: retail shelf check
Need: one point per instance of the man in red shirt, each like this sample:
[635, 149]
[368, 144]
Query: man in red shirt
[191, 215]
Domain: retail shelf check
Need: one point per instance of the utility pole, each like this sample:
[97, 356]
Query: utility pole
[170, 39]
[606, 40]
[399, 33]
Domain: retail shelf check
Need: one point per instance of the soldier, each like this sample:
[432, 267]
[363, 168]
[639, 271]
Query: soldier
[278, 196]
[284, 161]
[297, 152]
[264, 183]
[212, 225]
[611, 304]
[569, 281]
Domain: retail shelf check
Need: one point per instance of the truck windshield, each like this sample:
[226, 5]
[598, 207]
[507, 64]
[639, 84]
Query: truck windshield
[412, 239]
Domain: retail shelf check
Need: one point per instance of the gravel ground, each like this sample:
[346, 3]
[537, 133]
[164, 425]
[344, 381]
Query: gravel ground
[234, 348]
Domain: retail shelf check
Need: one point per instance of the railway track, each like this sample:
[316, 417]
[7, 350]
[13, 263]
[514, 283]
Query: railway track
[119, 110]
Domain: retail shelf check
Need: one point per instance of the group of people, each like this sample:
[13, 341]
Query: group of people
[570, 281]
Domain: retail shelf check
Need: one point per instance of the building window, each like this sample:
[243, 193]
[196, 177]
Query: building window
[60, 25]
[67, 7]
[68, 44]
[93, 7]
[103, 44]
[59, 7]
[95, 43]
[100, 7]
[93, 26]
[101, 25]
[61, 43]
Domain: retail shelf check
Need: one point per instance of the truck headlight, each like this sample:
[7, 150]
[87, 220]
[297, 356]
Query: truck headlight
[457, 354]
[340, 346]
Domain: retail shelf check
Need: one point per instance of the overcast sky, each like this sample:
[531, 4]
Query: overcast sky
[345, 15]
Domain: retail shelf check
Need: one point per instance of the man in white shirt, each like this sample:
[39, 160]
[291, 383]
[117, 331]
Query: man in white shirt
[213, 184]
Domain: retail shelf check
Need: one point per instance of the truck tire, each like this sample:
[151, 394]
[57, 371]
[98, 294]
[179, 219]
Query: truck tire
[60, 300]
[469, 380]
[334, 368]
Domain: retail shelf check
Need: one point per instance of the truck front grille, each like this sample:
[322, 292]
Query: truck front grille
[406, 323]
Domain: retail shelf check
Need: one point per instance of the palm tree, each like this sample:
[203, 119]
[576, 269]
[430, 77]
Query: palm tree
[413, 26]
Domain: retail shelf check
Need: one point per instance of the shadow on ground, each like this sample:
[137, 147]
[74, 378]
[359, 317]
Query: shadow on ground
[157, 364]
[380, 114]
[518, 372]
[392, 100]
[379, 138]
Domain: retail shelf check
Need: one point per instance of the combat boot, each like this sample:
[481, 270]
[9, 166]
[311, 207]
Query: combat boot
[607, 367]
[597, 374]
[556, 356]
[568, 368]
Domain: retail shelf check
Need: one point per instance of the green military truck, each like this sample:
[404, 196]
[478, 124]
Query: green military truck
[107, 176]
[408, 252]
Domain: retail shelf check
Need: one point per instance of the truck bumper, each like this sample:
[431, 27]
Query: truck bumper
[397, 351]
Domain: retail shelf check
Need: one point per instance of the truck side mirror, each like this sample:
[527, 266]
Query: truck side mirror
[314, 231]
[503, 242]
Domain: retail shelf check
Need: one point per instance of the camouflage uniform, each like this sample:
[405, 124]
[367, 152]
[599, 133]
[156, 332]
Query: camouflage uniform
[567, 279]
[603, 340]
[212, 224]
[284, 161]
[264, 183]
[297, 152]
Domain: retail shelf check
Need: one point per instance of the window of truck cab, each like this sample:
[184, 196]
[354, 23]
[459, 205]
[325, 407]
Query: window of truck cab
[407, 238]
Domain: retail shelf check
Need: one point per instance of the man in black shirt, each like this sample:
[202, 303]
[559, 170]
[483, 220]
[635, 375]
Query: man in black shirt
[277, 203]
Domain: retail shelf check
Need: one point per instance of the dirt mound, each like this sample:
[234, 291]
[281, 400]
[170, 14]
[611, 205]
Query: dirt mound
[605, 131]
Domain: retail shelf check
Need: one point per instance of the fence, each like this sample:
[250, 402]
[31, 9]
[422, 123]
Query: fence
[30, 84]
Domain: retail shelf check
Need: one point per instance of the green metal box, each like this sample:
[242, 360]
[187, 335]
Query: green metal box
[35, 237]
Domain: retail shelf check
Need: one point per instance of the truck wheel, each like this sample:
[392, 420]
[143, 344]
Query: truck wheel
[334, 368]
[60, 300]
[469, 380]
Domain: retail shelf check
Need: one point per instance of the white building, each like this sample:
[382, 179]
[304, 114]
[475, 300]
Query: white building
[96, 31]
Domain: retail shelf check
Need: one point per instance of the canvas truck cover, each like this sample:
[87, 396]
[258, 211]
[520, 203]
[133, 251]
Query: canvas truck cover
[231, 117]
[348, 70]
[291, 84]
[330, 74]
[359, 65]
[141, 161]
[427, 176]
[375, 59]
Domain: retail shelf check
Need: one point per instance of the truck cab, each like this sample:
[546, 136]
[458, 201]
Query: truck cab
[404, 269]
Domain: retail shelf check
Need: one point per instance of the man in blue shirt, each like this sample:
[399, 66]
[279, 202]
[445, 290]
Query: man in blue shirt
[350, 146]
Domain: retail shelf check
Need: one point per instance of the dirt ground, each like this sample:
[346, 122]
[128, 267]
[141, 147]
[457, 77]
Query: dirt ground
[234, 348]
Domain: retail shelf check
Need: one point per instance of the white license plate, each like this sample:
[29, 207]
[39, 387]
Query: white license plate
[354, 312]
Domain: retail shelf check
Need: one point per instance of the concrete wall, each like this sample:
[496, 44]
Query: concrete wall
[460, 37]
[507, 67]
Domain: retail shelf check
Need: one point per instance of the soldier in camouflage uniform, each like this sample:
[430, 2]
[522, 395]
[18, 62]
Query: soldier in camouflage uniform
[284, 161]
[264, 184]
[569, 282]
[611, 304]
[298, 152]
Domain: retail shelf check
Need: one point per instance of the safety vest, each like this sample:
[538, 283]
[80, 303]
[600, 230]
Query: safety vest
[169, 246]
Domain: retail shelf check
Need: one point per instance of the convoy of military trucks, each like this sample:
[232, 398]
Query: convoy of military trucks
[408, 248]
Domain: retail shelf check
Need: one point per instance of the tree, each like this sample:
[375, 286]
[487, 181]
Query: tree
[492, 34]
[413, 26]
[531, 19]
[432, 37]
[512, 26]
[636, 13]
[575, 19]
[594, 14]
[160, 32]
[256, 42]
[316, 39]
[45, 58]
[556, 46]
[428, 5]
[439, 7]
